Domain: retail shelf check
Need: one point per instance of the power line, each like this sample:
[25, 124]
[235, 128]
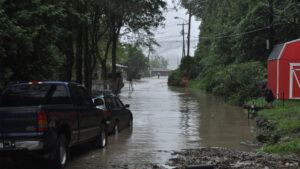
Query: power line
[234, 35]
[175, 41]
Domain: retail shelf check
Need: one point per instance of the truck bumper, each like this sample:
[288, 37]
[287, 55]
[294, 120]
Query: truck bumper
[21, 145]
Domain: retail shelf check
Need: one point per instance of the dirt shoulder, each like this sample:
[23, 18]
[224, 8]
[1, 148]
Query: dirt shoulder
[221, 158]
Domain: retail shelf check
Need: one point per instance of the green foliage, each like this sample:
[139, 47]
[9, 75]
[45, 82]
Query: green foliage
[188, 68]
[231, 54]
[175, 78]
[159, 62]
[137, 62]
[238, 82]
[28, 37]
[284, 148]
[38, 38]
[285, 122]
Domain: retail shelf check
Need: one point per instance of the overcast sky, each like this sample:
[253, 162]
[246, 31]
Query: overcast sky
[170, 37]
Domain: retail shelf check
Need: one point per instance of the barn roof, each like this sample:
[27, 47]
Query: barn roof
[275, 54]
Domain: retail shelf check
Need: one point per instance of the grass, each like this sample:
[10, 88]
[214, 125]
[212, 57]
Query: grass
[194, 84]
[288, 147]
[285, 119]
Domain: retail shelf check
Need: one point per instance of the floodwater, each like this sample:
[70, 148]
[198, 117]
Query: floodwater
[166, 119]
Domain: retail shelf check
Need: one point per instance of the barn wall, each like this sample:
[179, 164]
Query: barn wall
[272, 75]
[292, 51]
[284, 78]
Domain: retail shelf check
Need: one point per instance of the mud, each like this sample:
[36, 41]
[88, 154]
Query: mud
[221, 158]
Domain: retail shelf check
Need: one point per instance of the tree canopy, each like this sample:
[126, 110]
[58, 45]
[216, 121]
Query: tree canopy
[65, 40]
[234, 34]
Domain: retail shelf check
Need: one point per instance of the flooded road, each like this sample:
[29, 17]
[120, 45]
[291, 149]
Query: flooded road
[167, 119]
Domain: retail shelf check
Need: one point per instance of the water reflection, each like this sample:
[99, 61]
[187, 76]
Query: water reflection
[208, 121]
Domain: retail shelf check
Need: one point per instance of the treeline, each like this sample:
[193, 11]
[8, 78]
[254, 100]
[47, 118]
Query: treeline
[66, 39]
[231, 55]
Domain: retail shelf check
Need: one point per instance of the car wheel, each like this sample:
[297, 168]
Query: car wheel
[116, 128]
[101, 139]
[59, 155]
[130, 123]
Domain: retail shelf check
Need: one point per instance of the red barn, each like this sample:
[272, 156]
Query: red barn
[284, 70]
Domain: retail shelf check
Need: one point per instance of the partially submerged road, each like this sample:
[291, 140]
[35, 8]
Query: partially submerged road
[167, 119]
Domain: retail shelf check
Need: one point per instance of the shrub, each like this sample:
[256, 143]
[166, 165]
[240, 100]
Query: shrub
[175, 78]
[239, 82]
[188, 68]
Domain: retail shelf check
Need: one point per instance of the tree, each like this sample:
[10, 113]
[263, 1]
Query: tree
[234, 33]
[158, 62]
[137, 61]
[28, 37]
[134, 16]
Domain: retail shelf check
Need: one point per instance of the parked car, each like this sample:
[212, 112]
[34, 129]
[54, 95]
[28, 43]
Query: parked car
[118, 114]
[47, 118]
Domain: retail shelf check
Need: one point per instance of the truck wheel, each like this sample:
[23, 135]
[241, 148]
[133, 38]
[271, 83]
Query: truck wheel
[101, 139]
[59, 155]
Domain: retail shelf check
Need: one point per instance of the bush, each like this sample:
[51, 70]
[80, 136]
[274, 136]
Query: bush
[188, 68]
[175, 78]
[239, 82]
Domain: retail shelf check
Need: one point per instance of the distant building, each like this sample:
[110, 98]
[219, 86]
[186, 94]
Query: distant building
[99, 84]
[162, 71]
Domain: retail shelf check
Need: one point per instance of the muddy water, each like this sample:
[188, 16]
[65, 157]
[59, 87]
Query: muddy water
[166, 119]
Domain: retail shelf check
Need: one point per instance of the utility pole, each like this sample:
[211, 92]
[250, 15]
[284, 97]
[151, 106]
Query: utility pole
[271, 29]
[189, 31]
[183, 40]
[149, 52]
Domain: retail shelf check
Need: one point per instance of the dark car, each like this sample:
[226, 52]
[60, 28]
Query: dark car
[118, 116]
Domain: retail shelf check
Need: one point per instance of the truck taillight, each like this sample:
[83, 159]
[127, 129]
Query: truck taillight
[42, 121]
[35, 83]
[108, 113]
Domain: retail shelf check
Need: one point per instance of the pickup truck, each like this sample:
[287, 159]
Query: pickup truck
[45, 119]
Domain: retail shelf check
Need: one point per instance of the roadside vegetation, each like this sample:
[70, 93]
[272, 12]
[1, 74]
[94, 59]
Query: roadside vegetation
[231, 55]
[279, 127]
[68, 39]
[231, 61]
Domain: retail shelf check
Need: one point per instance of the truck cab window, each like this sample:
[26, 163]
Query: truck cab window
[80, 96]
[34, 95]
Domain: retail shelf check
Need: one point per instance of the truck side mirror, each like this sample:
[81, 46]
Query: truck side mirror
[98, 102]
[127, 106]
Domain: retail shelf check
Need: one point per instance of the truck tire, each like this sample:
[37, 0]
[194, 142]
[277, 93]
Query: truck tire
[59, 156]
[101, 138]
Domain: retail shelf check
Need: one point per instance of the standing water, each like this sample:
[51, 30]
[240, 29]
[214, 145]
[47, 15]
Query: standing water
[167, 119]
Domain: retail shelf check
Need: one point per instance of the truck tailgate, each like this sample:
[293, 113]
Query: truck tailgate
[18, 119]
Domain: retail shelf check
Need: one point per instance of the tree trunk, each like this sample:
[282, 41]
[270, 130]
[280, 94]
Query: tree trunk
[114, 52]
[70, 59]
[87, 61]
[271, 30]
[79, 56]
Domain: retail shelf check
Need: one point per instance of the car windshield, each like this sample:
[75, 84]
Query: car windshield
[33, 95]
